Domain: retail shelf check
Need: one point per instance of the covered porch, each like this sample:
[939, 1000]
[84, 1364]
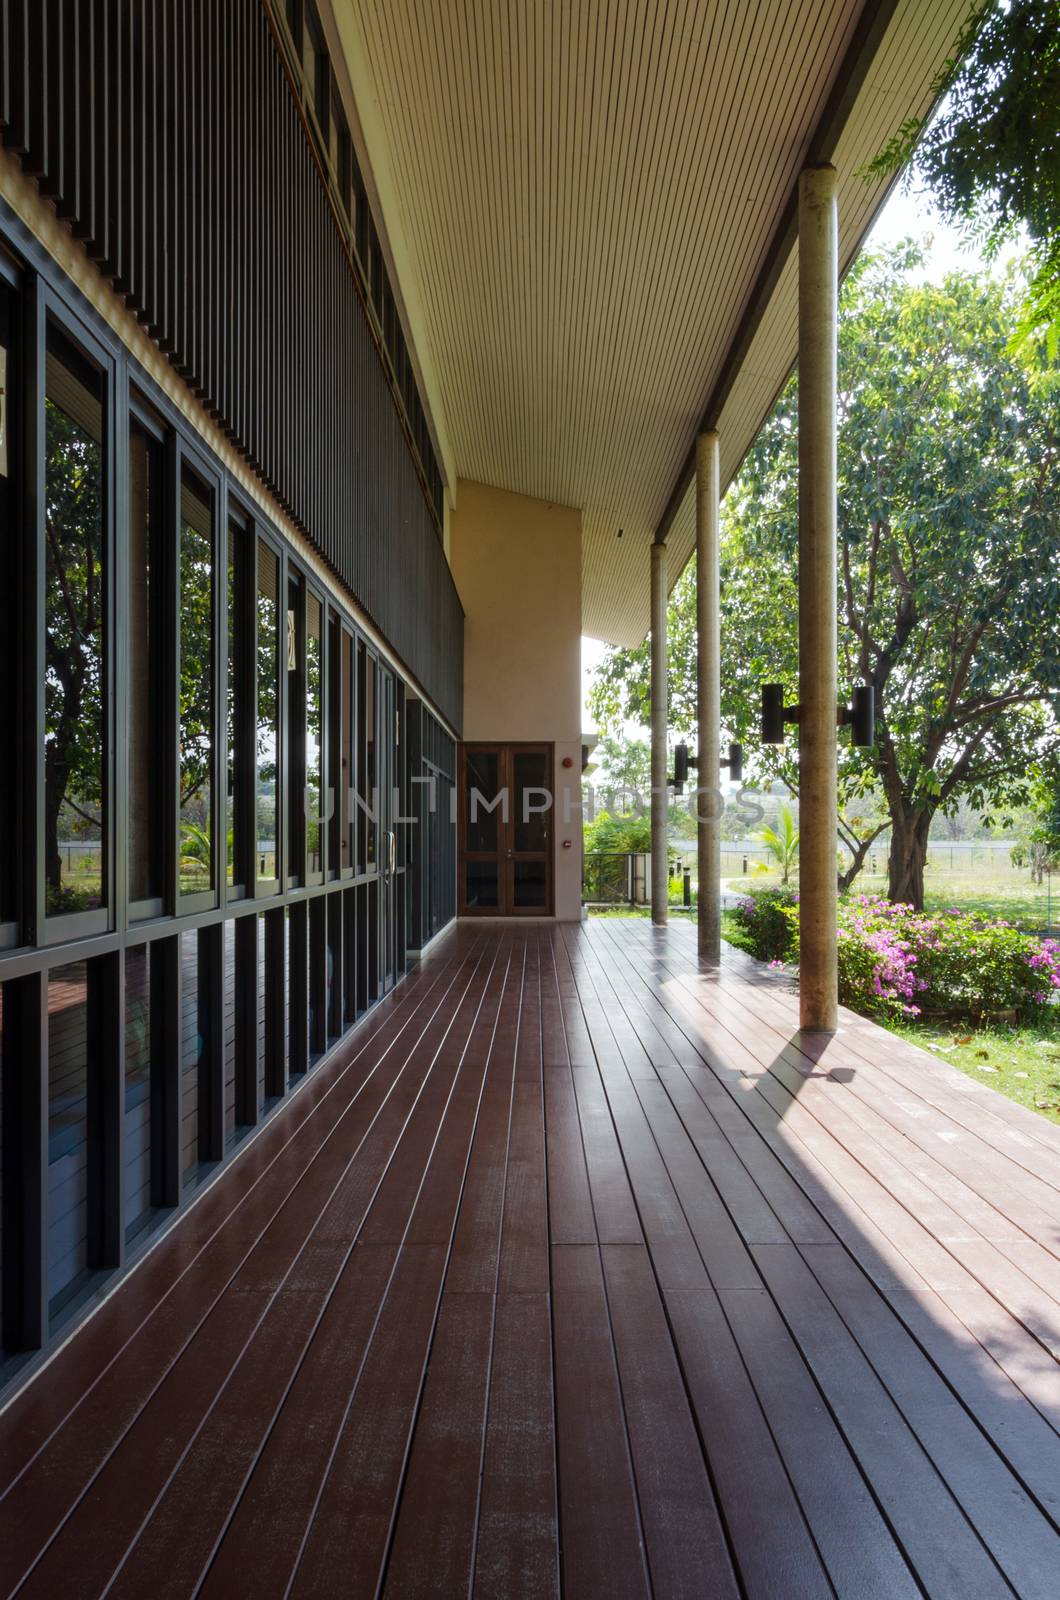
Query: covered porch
[576, 1268]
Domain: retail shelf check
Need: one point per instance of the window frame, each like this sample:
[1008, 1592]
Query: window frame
[202, 467]
[138, 410]
[53, 310]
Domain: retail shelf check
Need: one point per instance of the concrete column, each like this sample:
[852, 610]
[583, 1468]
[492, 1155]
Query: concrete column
[659, 705]
[818, 809]
[708, 692]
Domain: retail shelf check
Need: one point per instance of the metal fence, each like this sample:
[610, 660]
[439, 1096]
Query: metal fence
[977, 876]
[616, 877]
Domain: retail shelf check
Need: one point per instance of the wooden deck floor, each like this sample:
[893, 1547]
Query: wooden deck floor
[577, 1271]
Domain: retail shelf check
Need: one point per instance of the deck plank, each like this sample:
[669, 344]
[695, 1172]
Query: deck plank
[576, 1270]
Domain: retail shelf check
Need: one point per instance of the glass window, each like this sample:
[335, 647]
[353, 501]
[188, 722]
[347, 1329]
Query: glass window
[145, 679]
[314, 785]
[230, 1032]
[529, 796]
[259, 1038]
[68, 1162]
[345, 769]
[315, 63]
[369, 793]
[268, 675]
[3, 1319]
[196, 686]
[235, 705]
[295, 780]
[137, 1134]
[481, 887]
[192, 1056]
[530, 887]
[74, 619]
[10, 656]
[484, 810]
[337, 137]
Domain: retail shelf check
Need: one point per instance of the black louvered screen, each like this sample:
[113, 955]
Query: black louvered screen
[167, 133]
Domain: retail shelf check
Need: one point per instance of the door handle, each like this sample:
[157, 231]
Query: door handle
[391, 850]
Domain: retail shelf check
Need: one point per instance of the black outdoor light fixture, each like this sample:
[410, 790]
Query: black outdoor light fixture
[860, 717]
[683, 761]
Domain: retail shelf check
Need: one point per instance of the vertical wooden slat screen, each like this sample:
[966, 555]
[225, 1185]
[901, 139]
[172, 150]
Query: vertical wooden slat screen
[168, 134]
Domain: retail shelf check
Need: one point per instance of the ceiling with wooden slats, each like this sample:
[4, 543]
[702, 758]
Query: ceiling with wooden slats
[585, 193]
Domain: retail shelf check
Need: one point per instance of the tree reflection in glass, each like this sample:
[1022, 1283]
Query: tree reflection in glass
[74, 615]
[313, 776]
[268, 672]
[196, 686]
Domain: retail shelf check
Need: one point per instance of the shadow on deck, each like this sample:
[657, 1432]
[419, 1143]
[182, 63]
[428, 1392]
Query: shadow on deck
[576, 1269]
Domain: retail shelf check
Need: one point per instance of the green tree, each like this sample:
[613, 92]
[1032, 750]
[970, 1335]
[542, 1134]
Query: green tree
[991, 156]
[949, 586]
[1039, 849]
[624, 768]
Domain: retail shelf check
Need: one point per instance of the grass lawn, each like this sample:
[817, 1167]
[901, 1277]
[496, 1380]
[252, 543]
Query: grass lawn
[677, 909]
[1021, 1062]
[1009, 894]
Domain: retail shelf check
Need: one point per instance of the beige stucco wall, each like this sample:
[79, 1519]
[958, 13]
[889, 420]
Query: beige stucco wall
[517, 563]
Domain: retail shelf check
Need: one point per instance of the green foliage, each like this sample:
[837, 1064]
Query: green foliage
[622, 833]
[1039, 850]
[196, 645]
[991, 156]
[782, 842]
[949, 587]
[624, 767]
[895, 962]
[765, 923]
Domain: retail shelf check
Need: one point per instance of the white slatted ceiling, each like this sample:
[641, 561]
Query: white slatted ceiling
[587, 192]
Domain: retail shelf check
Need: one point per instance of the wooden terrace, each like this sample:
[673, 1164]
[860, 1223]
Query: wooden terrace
[576, 1269]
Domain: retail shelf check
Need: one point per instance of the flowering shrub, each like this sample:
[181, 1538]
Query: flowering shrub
[878, 954]
[766, 922]
[894, 961]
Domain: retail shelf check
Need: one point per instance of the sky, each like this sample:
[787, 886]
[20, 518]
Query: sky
[908, 213]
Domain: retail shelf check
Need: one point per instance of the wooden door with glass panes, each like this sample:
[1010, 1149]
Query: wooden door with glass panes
[505, 804]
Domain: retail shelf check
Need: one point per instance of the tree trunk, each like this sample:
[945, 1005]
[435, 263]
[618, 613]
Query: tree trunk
[910, 826]
[857, 861]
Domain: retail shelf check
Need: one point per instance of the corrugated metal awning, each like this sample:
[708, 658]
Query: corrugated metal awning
[587, 193]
